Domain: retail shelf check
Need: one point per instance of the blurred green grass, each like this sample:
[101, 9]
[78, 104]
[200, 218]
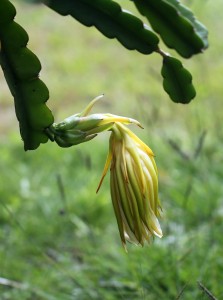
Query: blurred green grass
[67, 247]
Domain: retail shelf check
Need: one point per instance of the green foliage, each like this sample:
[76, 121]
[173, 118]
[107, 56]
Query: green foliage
[176, 25]
[109, 18]
[177, 81]
[21, 68]
[174, 22]
[198, 27]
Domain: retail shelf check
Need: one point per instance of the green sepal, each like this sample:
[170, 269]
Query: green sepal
[175, 24]
[71, 139]
[109, 18]
[177, 81]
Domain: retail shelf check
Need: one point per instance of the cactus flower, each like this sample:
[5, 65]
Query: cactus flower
[134, 186]
[133, 172]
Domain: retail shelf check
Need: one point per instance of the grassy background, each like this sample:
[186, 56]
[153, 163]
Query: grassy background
[63, 243]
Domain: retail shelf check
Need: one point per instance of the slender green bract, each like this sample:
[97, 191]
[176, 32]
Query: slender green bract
[176, 25]
[177, 81]
[21, 68]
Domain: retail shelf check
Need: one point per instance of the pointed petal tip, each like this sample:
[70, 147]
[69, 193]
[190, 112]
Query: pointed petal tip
[124, 246]
[86, 111]
[158, 233]
[140, 125]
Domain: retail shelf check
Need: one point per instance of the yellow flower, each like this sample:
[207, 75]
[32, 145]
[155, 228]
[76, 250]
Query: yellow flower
[133, 180]
[134, 186]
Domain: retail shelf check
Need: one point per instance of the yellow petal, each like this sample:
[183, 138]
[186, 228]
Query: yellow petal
[107, 164]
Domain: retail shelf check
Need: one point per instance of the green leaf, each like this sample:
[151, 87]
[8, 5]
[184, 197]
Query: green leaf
[176, 25]
[7, 12]
[177, 81]
[21, 68]
[109, 18]
[199, 28]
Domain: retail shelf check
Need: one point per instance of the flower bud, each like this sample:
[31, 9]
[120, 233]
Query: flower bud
[134, 186]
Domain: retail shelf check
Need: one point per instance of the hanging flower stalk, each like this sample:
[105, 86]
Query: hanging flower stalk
[83, 127]
[133, 172]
